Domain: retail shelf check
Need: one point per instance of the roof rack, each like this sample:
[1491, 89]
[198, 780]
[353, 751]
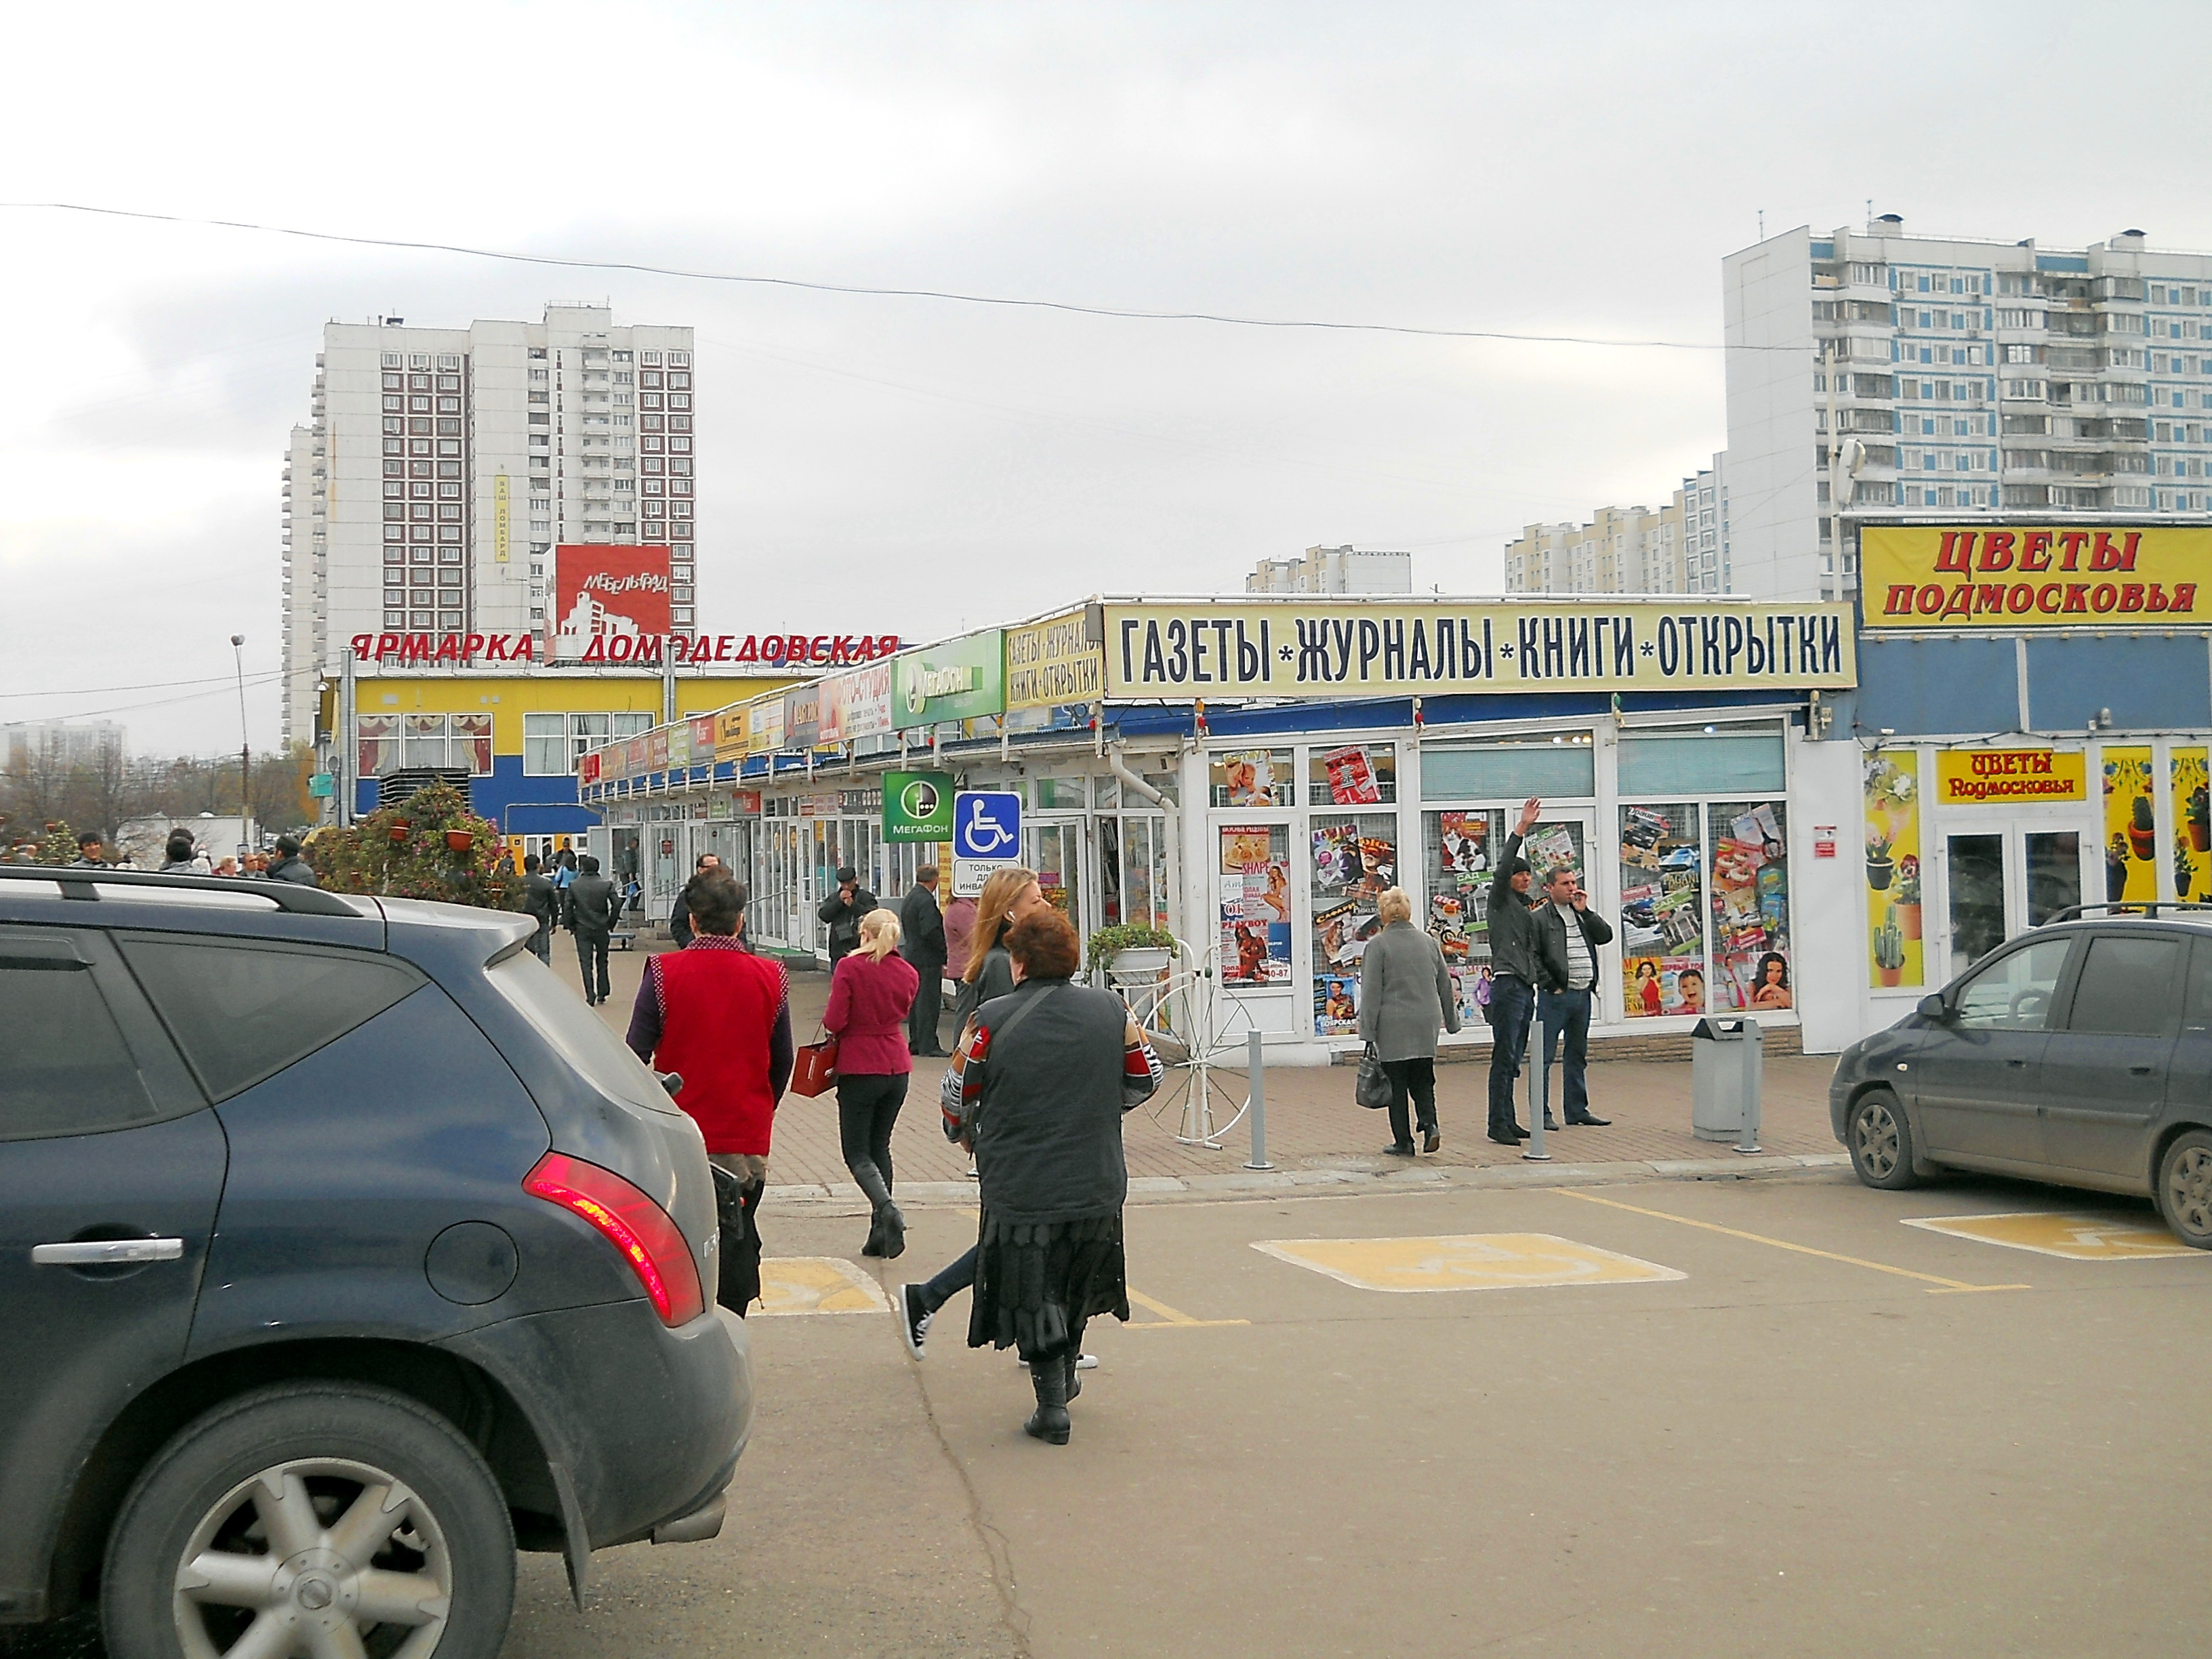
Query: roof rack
[2148, 907]
[84, 883]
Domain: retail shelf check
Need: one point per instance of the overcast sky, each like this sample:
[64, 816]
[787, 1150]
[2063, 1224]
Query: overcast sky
[893, 465]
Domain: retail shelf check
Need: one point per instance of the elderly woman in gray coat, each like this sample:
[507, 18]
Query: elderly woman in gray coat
[1405, 997]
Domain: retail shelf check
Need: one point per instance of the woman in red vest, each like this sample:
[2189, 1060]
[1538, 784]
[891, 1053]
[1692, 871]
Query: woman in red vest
[721, 1017]
[871, 992]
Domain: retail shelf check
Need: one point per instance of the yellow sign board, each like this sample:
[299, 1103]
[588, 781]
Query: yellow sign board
[2076, 1237]
[730, 739]
[2011, 576]
[818, 1285]
[2009, 777]
[1469, 1261]
[1060, 660]
[500, 521]
[1336, 647]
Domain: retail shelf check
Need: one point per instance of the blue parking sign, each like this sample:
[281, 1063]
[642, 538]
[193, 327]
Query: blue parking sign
[986, 823]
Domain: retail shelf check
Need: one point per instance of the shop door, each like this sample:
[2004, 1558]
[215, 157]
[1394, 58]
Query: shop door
[1057, 858]
[2004, 878]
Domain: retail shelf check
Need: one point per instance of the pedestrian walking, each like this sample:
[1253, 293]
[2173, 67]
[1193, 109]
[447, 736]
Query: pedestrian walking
[590, 906]
[181, 857]
[1514, 956]
[921, 926]
[541, 899]
[1045, 1076]
[679, 917]
[1406, 997]
[563, 870]
[1571, 932]
[871, 992]
[842, 912]
[290, 867]
[720, 1017]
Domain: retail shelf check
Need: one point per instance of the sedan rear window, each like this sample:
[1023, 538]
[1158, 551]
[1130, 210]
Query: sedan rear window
[2127, 987]
[243, 1011]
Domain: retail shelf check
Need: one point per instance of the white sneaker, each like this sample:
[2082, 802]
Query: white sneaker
[973, 1174]
[1084, 1362]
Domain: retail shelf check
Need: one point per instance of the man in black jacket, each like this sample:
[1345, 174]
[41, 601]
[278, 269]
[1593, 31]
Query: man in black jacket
[591, 900]
[290, 865]
[679, 918]
[541, 900]
[842, 911]
[921, 927]
[1516, 974]
[1569, 933]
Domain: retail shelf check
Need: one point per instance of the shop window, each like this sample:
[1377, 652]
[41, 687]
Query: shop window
[1747, 853]
[1061, 792]
[472, 743]
[1556, 765]
[1460, 849]
[1109, 793]
[1662, 911]
[1144, 847]
[1254, 870]
[1252, 777]
[1359, 774]
[1355, 858]
[378, 743]
[545, 745]
[1703, 762]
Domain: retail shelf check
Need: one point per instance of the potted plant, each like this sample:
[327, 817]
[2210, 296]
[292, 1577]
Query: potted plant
[1881, 868]
[459, 841]
[1130, 953]
[2199, 816]
[1907, 909]
[2142, 832]
[1889, 950]
[2116, 866]
[2183, 873]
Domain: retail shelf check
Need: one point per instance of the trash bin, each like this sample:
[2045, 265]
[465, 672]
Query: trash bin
[1727, 1059]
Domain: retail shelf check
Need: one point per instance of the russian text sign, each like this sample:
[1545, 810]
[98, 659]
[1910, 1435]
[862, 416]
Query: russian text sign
[2035, 575]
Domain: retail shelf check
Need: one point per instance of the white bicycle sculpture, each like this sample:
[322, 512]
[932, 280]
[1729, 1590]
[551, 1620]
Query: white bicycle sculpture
[1195, 1025]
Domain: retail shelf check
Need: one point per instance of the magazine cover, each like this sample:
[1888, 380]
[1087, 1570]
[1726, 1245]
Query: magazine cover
[1351, 780]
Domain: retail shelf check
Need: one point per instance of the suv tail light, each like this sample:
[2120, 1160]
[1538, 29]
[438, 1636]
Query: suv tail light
[649, 1241]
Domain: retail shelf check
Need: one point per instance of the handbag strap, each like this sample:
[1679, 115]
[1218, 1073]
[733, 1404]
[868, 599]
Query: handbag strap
[1022, 1013]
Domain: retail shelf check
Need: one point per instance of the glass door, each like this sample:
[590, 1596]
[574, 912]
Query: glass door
[1057, 858]
[2005, 879]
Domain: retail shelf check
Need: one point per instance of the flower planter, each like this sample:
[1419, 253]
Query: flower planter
[1908, 921]
[1142, 963]
[1889, 976]
[2200, 835]
[1880, 874]
[2142, 843]
[461, 840]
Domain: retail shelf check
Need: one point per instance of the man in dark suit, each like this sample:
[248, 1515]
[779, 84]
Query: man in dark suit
[842, 912]
[541, 899]
[592, 918]
[921, 927]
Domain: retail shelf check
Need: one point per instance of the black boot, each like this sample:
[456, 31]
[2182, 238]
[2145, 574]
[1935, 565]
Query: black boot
[891, 1225]
[1049, 1421]
[1074, 1353]
[874, 1246]
[887, 1230]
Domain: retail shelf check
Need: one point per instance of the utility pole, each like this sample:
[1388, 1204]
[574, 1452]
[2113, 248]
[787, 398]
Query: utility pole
[244, 743]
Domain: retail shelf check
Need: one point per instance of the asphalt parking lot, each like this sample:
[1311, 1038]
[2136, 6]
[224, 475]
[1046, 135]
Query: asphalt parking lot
[1778, 1415]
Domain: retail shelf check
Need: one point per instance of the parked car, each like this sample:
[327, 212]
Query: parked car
[341, 1253]
[2079, 1053]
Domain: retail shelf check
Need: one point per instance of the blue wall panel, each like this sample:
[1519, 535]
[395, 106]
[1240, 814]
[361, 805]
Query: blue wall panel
[1913, 687]
[2150, 684]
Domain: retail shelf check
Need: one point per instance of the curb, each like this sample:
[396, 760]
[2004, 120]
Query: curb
[842, 1197]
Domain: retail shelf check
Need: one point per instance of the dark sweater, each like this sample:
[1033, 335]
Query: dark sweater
[1048, 1115]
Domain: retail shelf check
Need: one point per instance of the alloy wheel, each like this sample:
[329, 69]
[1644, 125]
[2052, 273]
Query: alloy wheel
[320, 1556]
[2189, 1192]
[1874, 1133]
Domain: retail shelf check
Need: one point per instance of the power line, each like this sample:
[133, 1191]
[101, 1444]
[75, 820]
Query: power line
[107, 690]
[1129, 313]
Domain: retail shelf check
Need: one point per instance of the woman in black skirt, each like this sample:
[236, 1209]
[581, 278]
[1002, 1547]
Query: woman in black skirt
[1044, 1079]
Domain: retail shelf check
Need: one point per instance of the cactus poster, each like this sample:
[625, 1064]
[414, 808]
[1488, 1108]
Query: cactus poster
[2186, 770]
[2131, 826]
[1893, 868]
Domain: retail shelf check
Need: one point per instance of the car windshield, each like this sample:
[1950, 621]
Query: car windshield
[577, 1033]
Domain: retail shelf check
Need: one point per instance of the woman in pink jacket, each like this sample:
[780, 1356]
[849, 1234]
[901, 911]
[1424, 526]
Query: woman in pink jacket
[870, 992]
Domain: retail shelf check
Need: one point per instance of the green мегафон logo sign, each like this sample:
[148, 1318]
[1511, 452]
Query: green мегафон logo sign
[918, 806]
[961, 679]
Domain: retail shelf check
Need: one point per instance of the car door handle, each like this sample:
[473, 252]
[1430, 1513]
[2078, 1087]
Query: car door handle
[105, 1252]
[2141, 1071]
[2016, 1062]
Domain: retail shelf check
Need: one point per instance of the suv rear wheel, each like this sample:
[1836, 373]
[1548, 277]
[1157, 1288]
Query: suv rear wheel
[1880, 1141]
[311, 1517]
[2184, 1188]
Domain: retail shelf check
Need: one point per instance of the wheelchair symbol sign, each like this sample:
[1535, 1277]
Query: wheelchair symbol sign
[986, 824]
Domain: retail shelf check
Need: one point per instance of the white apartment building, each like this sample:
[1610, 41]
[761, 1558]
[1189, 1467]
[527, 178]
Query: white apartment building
[60, 743]
[440, 466]
[1680, 548]
[1333, 570]
[1977, 377]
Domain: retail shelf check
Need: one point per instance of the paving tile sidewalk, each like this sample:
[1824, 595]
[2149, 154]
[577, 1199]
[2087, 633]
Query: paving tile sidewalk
[1315, 1134]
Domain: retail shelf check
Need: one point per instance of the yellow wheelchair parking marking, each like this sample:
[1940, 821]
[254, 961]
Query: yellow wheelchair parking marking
[1467, 1262]
[2076, 1237]
[1942, 1286]
[817, 1284]
[1169, 1318]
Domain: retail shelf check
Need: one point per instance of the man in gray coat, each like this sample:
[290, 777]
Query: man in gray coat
[1405, 996]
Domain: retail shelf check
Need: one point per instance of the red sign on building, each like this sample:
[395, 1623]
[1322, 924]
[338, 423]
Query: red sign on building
[605, 592]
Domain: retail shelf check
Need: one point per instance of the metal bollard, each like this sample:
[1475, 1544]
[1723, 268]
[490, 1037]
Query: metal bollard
[1753, 1059]
[1256, 1072]
[1540, 1089]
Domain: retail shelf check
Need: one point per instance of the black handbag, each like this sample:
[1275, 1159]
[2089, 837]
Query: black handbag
[1373, 1087]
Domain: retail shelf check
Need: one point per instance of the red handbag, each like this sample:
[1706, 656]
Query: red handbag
[816, 1067]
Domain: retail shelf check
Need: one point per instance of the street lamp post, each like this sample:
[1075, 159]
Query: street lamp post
[244, 743]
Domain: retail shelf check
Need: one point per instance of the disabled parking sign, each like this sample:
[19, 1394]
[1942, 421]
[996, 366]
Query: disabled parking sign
[986, 836]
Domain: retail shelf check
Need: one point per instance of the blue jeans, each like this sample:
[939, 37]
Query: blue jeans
[1568, 1011]
[1512, 999]
[957, 1277]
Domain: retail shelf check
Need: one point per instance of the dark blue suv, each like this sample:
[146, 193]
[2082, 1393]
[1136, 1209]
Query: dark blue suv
[341, 1253]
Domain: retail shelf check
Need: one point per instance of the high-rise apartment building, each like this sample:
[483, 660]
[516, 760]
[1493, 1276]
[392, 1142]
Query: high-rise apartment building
[1333, 570]
[60, 743]
[1680, 548]
[1966, 379]
[440, 466]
